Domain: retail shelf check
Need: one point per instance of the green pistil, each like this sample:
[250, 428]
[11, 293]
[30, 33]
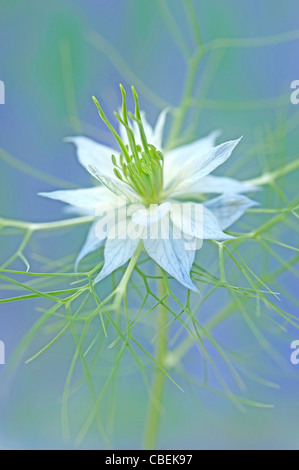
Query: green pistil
[141, 167]
[146, 177]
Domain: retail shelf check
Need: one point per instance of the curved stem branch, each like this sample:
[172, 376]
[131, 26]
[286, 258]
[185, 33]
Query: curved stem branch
[181, 111]
[122, 286]
[34, 227]
[155, 404]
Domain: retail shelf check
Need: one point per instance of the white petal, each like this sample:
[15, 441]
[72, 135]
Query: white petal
[116, 253]
[174, 159]
[228, 208]
[159, 129]
[148, 216]
[91, 153]
[197, 168]
[153, 136]
[73, 211]
[197, 221]
[216, 184]
[91, 244]
[115, 186]
[172, 256]
[88, 199]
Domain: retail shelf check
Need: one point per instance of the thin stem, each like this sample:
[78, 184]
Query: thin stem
[112, 54]
[122, 287]
[221, 262]
[270, 177]
[34, 172]
[180, 112]
[191, 15]
[34, 227]
[69, 85]
[154, 408]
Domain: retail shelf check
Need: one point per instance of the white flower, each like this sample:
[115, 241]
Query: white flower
[142, 172]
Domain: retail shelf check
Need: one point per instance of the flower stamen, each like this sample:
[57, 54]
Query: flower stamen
[139, 166]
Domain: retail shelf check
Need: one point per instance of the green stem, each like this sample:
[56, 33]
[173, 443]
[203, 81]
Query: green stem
[174, 30]
[270, 177]
[122, 287]
[192, 18]
[155, 404]
[34, 227]
[189, 342]
[181, 111]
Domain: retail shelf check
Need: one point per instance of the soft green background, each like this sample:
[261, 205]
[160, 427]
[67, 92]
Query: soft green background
[53, 57]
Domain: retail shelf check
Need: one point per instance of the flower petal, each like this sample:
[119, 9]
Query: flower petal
[116, 253]
[159, 129]
[172, 256]
[115, 186]
[174, 159]
[197, 221]
[197, 168]
[88, 199]
[153, 136]
[91, 244]
[146, 217]
[91, 153]
[216, 184]
[228, 208]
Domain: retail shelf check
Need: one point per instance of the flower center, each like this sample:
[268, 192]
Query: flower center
[143, 171]
[139, 166]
